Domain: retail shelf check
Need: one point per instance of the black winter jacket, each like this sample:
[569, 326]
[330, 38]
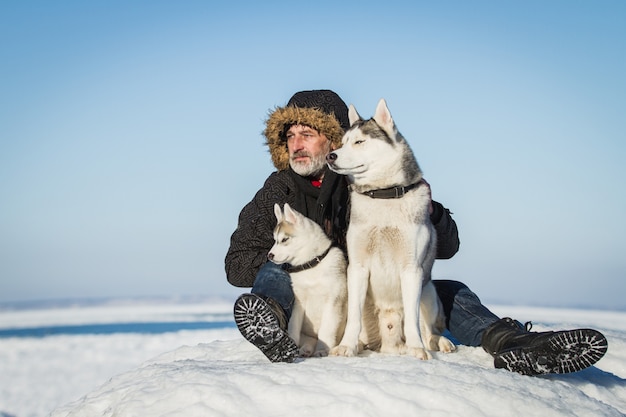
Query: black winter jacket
[328, 206]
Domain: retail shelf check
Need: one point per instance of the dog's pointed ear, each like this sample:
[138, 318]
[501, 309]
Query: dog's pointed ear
[278, 213]
[383, 116]
[291, 215]
[353, 115]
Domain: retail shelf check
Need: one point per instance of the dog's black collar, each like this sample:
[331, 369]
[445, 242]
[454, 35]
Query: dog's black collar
[308, 265]
[393, 192]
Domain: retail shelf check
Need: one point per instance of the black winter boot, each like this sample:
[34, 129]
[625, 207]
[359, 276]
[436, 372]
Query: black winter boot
[517, 349]
[262, 321]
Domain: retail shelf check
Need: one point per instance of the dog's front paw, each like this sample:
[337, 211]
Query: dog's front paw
[320, 353]
[307, 348]
[305, 353]
[445, 345]
[418, 352]
[342, 350]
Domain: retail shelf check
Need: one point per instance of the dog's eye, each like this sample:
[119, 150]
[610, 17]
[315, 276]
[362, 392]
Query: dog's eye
[358, 142]
[285, 239]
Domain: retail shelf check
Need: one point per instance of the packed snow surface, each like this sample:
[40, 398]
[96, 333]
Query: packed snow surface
[217, 373]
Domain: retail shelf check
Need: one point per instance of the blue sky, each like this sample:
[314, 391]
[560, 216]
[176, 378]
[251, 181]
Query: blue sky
[130, 135]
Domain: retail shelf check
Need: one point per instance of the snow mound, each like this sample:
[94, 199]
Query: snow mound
[232, 378]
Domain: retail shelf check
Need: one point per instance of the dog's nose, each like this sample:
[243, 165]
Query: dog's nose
[331, 157]
[270, 256]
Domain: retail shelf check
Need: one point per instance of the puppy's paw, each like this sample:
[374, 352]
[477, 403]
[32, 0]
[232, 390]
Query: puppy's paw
[306, 352]
[342, 351]
[321, 353]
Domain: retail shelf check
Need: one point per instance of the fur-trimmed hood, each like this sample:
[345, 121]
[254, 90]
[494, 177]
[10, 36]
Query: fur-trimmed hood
[323, 110]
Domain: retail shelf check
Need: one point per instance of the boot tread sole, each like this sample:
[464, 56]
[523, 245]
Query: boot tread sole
[564, 352]
[258, 324]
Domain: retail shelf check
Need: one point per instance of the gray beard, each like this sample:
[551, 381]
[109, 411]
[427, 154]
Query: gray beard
[313, 168]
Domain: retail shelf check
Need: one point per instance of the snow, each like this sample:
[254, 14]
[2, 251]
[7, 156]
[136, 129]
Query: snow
[217, 373]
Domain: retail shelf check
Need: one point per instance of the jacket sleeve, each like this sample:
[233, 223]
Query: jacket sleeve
[253, 238]
[447, 233]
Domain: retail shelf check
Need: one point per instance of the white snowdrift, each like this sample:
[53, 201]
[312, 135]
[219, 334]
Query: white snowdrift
[231, 378]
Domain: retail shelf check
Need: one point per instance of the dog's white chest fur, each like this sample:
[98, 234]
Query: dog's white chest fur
[383, 237]
[389, 241]
[321, 293]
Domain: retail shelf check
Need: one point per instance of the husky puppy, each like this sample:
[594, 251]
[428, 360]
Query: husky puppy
[318, 274]
[391, 242]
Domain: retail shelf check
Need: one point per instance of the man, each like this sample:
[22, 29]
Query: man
[299, 136]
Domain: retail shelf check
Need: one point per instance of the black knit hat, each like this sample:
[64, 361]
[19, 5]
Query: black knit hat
[326, 100]
[323, 110]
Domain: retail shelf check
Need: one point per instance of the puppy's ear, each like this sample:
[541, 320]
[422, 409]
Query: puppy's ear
[291, 215]
[383, 117]
[353, 116]
[278, 213]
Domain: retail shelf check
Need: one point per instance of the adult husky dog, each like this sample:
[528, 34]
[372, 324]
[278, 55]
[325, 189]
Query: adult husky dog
[318, 275]
[391, 242]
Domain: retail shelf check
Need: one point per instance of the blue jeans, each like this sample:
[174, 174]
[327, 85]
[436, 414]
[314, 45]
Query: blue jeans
[273, 281]
[466, 317]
